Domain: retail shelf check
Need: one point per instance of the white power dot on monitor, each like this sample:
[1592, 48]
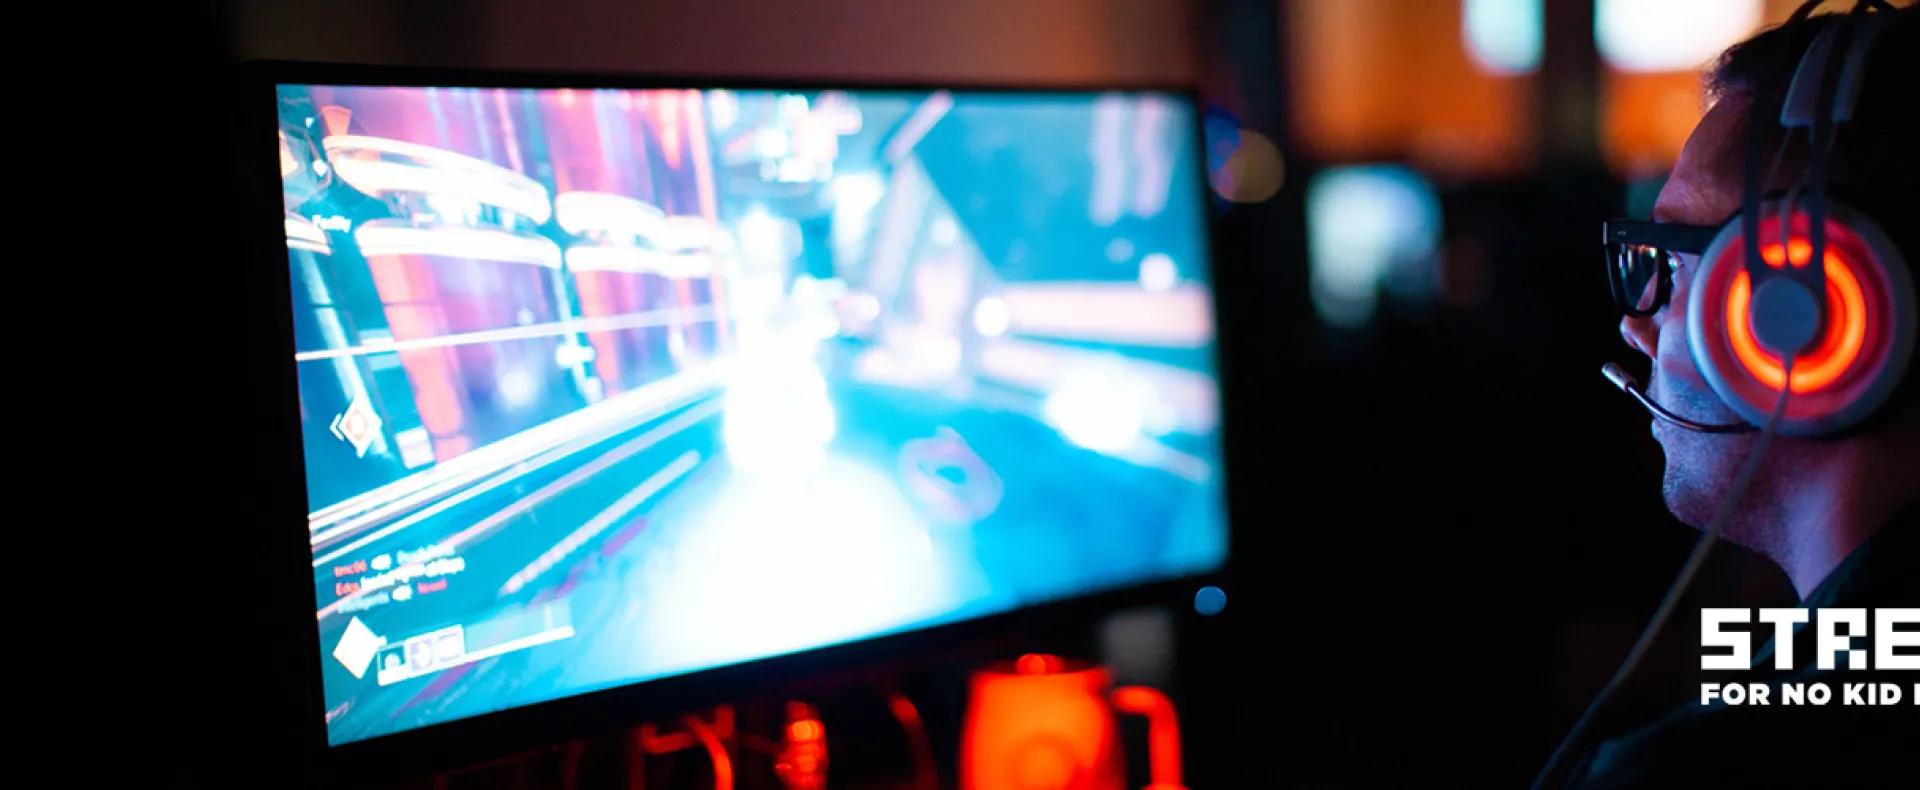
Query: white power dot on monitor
[991, 316]
[1157, 272]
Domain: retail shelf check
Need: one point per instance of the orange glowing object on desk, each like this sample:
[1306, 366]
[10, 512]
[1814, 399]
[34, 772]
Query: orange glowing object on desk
[802, 762]
[1047, 723]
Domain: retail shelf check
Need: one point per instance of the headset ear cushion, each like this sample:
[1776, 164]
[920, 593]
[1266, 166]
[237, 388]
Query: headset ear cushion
[1867, 332]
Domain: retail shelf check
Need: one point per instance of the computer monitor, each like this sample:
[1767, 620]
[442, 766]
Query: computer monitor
[600, 386]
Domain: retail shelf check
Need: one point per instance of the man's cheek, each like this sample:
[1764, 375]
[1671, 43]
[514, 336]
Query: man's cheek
[1675, 355]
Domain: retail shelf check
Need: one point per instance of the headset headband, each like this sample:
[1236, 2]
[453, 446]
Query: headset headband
[1821, 95]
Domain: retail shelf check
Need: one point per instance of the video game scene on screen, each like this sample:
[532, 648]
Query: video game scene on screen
[603, 386]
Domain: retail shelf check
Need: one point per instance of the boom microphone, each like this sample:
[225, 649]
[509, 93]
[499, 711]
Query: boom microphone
[1628, 384]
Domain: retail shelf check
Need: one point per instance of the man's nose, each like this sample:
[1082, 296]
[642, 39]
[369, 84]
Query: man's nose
[1641, 333]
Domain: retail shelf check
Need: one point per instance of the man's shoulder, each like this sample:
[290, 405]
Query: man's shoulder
[1773, 745]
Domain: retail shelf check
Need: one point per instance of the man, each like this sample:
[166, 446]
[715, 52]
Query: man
[1838, 515]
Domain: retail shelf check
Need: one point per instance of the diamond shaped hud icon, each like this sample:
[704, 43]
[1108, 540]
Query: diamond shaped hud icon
[357, 647]
[358, 425]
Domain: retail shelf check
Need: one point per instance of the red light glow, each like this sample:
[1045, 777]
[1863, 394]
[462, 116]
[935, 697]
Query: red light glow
[1838, 349]
[1798, 250]
[808, 730]
[802, 762]
[1163, 731]
[1037, 725]
[1037, 664]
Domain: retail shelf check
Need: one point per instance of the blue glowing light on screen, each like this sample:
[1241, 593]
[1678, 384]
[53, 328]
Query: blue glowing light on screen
[707, 415]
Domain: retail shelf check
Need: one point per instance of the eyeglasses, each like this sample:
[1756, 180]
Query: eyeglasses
[1642, 257]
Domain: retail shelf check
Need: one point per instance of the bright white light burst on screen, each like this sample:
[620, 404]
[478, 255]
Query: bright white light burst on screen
[991, 316]
[1503, 36]
[1158, 272]
[1102, 411]
[763, 237]
[855, 195]
[1663, 35]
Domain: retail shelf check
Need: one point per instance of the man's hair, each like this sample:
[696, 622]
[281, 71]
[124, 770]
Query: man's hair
[1876, 153]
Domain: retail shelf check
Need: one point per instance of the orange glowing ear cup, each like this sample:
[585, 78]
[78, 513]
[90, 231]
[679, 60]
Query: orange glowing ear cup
[1867, 325]
[1839, 347]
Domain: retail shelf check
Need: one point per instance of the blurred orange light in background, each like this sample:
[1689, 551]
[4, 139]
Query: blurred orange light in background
[1645, 119]
[1387, 79]
[1646, 116]
[1378, 80]
[1254, 171]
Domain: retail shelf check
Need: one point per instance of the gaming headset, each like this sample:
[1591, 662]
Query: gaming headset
[1792, 346]
[1757, 300]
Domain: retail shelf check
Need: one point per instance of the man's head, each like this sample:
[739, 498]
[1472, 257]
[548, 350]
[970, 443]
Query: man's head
[1877, 159]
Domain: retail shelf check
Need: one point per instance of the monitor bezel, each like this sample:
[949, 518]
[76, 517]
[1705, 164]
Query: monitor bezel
[463, 742]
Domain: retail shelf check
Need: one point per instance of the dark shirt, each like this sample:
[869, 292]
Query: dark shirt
[1815, 746]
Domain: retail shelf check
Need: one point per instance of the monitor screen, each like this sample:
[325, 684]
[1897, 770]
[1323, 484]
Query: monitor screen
[605, 386]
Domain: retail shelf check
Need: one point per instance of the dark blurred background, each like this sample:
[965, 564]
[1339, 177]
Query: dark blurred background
[1456, 531]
